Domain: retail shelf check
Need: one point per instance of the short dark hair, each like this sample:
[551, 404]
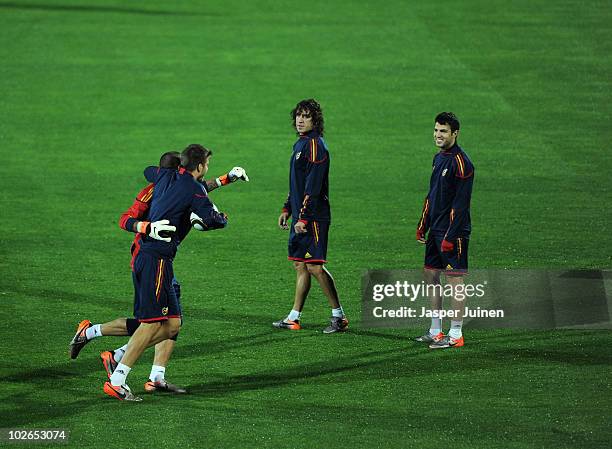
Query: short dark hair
[314, 108]
[448, 118]
[194, 155]
[170, 159]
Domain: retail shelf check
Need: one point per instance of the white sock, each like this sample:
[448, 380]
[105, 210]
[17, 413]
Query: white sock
[119, 375]
[455, 329]
[119, 352]
[436, 326]
[157, 373]
[294, 315]
[339, 312]
[93, 331]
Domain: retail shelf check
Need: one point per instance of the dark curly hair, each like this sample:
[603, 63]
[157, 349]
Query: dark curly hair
[314, 108]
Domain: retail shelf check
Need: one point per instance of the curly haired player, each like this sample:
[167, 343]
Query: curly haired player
[308, 206]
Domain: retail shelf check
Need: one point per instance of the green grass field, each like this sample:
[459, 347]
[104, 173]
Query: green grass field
[93, 91]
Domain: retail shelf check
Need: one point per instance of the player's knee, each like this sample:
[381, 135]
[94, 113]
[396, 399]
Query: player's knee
[173, 330]
[173, 327]
[315, 269]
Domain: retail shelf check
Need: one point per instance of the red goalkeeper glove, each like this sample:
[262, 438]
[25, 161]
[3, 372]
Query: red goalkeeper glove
[447, 246]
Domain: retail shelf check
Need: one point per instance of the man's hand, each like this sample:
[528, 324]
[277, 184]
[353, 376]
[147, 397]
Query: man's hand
[447, 246]
[216, 209]
[300, 228]
[234, 175]
[237, 173]
[420, 236]
[282, 221]
[160, 230]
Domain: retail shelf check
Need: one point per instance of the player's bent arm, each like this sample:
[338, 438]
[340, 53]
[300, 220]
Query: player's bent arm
[128, 222]
[207, 213]
[137, 211]
[210, 222]
[132, 221]
[200, 225]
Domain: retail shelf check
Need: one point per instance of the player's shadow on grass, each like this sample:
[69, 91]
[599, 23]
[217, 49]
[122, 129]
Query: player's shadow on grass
[213, 313]
[28, 410]
[46, 294]
[249, 341]
[570, 356]
[305, 372]
[96, 9]
[408, 334]
[42, 375]
[89, 360]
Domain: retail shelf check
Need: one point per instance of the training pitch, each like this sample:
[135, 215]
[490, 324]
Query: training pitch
[94, 91]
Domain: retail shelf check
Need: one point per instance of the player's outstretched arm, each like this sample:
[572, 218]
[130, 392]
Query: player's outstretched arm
[233, 175]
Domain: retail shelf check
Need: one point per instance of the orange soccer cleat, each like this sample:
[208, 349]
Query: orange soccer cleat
[79, 340]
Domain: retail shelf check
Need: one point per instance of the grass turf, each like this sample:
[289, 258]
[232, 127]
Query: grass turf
[94, 91]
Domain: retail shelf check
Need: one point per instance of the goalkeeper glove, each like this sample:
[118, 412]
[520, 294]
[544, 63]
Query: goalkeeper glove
[233, 175]
[447, 246]
[159, 230]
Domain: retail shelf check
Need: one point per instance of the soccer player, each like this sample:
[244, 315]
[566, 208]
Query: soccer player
[308, 206]
[126, 326]
[175, 195]
[446, 216]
